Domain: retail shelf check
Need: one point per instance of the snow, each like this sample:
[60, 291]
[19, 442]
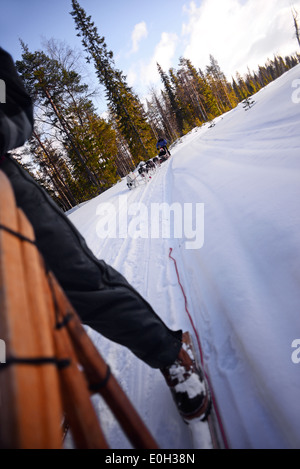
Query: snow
[190, 386]
[238, 258]
[201, 438]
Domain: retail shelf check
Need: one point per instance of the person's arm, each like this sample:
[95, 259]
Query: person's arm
[16, 110]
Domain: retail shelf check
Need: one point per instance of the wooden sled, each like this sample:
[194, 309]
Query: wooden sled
[51, 367]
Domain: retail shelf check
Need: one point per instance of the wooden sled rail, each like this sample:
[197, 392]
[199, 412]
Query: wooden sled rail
[51, 366]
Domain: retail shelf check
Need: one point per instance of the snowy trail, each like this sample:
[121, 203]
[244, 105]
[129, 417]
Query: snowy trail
[238, 279]
[153, 276]
[242, 285]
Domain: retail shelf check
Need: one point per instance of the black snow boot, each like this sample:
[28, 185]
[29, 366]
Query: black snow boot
[188, 385]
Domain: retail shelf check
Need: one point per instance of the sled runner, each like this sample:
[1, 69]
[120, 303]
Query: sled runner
[205, 431]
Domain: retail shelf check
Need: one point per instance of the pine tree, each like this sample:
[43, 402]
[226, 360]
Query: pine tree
[205, 100]
[237, 90]
[65, 113]
[243, 87]
[264, 76]
[175, 106]
[222, 90]
[168, 120]
[46, 83]
[122, 101]
[49, 164]
[180, 83]
[160, 116]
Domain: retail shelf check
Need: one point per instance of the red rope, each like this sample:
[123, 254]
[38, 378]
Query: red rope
[186, 307]
[200, 351]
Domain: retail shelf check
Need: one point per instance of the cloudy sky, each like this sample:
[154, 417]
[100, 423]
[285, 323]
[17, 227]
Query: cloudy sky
[239, 33]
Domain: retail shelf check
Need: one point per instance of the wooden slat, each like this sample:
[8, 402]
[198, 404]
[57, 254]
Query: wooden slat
[41, 313]
[31, 396]
[79, 411]
[20, 419]
[96, 371]
[34, 398]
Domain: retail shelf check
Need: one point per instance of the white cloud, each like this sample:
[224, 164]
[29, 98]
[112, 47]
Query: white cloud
[139, 32]
[163, 54]
[131, 77]
[238, 33]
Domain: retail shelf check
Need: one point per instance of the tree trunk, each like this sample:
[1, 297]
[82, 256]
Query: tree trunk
[64, 126]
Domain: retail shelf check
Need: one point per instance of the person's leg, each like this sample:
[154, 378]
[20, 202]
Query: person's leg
[102, 297]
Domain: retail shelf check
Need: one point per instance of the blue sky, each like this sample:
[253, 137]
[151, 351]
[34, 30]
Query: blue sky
[239, 33]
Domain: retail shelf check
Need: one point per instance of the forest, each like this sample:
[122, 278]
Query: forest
[75, 153]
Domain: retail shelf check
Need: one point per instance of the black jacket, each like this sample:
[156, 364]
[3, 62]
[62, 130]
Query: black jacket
[16, 113]
[102, 297]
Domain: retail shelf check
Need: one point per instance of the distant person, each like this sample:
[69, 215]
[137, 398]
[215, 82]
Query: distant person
[102, 297]
[162, 147]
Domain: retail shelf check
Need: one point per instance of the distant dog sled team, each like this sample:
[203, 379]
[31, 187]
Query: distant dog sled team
[146, 168]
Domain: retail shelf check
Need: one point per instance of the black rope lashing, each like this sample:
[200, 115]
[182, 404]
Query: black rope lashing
[58, 324]
[95, 387]
[59, 363]
[38, 361]
[64, 322]
[17, 234]
[47, 269]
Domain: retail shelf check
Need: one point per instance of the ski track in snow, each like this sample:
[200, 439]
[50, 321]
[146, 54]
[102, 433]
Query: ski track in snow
[242, 285]
[148, 275]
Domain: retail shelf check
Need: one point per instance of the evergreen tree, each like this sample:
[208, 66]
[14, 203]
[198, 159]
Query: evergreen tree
[162, 116]
[69, 118]
[122, 101]
[180, 83]
[205, 100]
[264, 76]
[237, 90]
[222, 90]
[243, 86]
[46, 82]
[52, 172]
[175, 106]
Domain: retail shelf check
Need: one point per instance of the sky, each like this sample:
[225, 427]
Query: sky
[238, 33]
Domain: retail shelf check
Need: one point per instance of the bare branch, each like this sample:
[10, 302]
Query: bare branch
[296, 24]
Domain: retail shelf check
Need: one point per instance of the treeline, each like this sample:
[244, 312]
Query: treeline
[73, 153]
[192, 97]
[76, 154]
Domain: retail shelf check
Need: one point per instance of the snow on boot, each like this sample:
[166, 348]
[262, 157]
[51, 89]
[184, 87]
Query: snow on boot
[188, 384]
